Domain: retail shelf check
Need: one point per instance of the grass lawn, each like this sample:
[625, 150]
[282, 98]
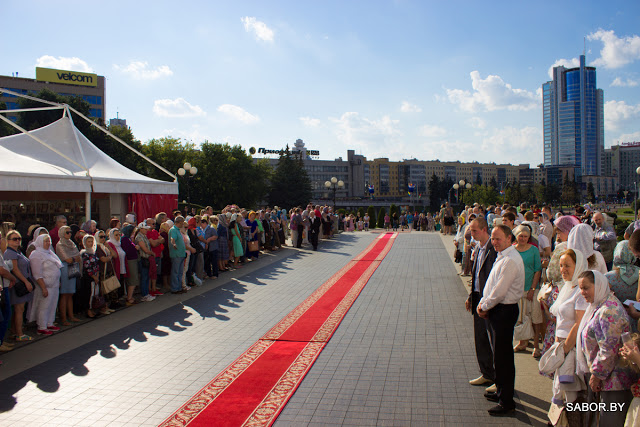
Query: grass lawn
[625, 214]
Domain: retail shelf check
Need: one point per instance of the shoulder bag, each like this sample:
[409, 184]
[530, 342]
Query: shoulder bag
[73, 270]
[108, 284]
[523, 331]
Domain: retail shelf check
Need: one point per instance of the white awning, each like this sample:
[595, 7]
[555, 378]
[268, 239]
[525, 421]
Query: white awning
[28, 165]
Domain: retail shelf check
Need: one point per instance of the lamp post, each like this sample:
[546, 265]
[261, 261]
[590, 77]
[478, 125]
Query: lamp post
[192, 172]
[334, 184]
[635, 198]
[456, 187]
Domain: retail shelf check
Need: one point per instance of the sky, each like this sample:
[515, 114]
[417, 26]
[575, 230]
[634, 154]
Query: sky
[456, 80]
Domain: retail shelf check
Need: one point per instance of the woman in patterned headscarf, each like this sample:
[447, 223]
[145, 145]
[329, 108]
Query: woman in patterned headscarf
[69, 254]
[623, 279]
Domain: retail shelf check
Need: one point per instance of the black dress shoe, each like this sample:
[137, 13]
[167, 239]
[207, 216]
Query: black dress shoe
[499, 410]
[491, 396]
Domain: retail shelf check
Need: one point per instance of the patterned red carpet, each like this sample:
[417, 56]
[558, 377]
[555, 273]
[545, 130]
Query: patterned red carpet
[254, 389]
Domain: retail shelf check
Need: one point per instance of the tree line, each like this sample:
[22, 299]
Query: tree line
[226, 173]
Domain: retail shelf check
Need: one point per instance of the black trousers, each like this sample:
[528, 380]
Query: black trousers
[483, 345]
[300, 231]
[313, 238]
[502, 320]
[211, 263]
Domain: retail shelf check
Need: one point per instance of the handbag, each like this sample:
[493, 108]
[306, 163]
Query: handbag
[20, 288]
[253, 246]
[524, 330]
[97, 301]
[73, 271]
[109, 284]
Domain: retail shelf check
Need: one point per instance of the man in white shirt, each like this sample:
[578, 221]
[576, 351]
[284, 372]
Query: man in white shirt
[499, 307]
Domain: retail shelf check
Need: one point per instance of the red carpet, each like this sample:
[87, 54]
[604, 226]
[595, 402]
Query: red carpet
[255, 387]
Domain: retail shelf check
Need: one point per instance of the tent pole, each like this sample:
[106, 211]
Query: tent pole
[87, 205]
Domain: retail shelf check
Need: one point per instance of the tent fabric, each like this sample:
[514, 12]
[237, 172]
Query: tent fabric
[148, 205]
[27, 165]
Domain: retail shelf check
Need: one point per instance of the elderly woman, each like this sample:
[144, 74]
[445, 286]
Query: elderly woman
[103, 252]
[599, 341]
[129, 247]
[90, 283]
[252, 235]
[47, 268]
[223, 242]
[554, 276]
[458, 241]
[165, 264]
[623, 279]
[236, 241]
[69, 254]
[21, 269]
[581, 238]
[119, 260]
[532, 269]
[146, 257]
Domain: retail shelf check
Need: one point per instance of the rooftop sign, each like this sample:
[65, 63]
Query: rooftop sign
[66, 77]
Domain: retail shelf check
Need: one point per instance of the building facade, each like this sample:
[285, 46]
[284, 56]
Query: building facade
[622, 161]
[573, 120]
[90, 87]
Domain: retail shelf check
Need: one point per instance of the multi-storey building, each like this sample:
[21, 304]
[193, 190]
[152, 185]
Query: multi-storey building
[573, 120]
[622, 161]
[90, 87]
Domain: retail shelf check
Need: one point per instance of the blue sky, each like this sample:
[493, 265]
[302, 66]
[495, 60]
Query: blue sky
[401, 79]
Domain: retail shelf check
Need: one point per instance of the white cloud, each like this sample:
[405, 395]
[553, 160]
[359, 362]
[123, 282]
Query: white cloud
[512, 144]
[617, 113]
[178, 107]
[407, 107]
[378, 138]
[492, 94]
[432, 131]
[258, 28]
[238, 113]
[616, 51]
[140, 70]
[567, 63]
[477, 123]
[310, 122]
[62, 63]
[619, 82]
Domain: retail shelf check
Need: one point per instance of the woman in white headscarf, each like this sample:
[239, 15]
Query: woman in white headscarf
[570, 306]
[45, 267]
[581, 238]
[598, 344]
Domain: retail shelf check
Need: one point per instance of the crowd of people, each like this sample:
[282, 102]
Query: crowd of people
[564, 286]
[58, 277]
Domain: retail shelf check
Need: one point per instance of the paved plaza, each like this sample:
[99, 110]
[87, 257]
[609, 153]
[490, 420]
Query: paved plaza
[402, 355]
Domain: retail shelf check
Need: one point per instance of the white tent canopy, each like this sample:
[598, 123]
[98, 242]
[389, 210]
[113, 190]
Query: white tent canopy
[28, 165]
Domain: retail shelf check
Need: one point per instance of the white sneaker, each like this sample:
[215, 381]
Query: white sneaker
[147, 298]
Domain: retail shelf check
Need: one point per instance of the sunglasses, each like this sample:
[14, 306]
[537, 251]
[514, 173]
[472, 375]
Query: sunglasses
[67, 232]
[100, 237]
[15, 238]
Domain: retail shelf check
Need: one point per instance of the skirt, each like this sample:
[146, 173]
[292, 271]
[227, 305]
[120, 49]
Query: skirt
[237, 247]
[67, 286]
[223, 248]
[448, 221]
[134, 275]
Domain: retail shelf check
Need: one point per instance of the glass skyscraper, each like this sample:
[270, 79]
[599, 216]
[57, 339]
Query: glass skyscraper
[573, 116]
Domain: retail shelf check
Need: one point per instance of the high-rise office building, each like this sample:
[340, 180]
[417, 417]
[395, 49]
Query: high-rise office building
[573, 117]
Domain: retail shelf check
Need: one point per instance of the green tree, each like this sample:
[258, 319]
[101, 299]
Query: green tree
[393, 209]
[371, 211]
[290, 185]
[360, 212]
[5, 128]
[493, 183]
[434, 192]
[381, 215]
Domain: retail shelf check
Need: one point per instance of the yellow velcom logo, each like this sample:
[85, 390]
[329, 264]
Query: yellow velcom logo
[66, 77]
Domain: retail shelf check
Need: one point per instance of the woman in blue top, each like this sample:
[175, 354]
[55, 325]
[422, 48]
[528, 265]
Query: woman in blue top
[223, 242]
[532, 271]
[252, 234]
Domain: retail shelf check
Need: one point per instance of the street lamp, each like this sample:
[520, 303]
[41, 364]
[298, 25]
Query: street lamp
[192, 172]
[635, 198]
[334, 184]
[456, 187]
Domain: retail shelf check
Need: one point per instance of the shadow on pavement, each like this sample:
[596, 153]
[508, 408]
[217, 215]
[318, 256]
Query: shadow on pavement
[210, 304]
